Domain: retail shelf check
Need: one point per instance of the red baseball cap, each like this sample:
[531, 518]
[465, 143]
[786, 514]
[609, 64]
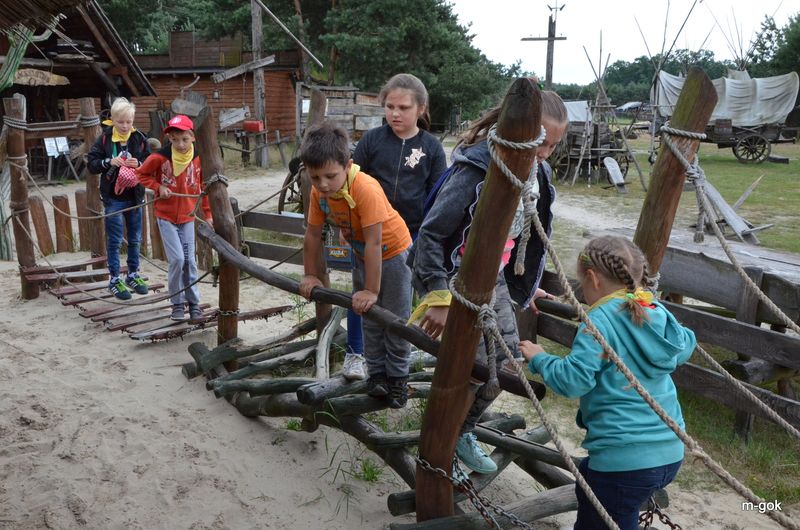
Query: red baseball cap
[179, 122]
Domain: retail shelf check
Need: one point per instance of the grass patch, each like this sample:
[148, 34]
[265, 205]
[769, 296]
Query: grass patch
[293, 425]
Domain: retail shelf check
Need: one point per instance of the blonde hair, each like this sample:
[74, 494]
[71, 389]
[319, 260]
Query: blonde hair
[122, 107]
[617, 258]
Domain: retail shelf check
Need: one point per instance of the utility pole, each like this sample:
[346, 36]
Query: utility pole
[551, 38]
[260, 111]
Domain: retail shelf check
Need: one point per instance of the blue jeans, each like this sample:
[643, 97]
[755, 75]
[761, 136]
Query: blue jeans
[621, 493]
[114, 234]
[355, 335]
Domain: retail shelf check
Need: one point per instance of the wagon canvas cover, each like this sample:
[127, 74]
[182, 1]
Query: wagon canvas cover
[745, 101]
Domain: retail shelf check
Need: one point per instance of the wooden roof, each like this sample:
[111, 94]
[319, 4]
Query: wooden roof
[31, 11]
[95, 60]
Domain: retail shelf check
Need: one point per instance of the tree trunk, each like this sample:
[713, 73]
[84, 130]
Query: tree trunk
[260, 110]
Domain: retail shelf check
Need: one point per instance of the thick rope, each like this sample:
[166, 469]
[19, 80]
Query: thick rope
[529, 189]
[80, 121]
[690, 443]
[495, 337]
[696, 175]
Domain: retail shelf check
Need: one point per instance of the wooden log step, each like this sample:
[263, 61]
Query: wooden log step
[74, 276]
[405, 502]
[208, 321]
[336, 386]
[89, 297]
[124, 324]
[544, 504]
[406, 438]
[260, 387]
[298, 357]
[66, 267]
[362, 404]
[110, 312]
[524, 448]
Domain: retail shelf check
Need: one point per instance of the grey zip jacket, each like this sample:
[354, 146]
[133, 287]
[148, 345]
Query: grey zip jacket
[407, 169]
[434, 256]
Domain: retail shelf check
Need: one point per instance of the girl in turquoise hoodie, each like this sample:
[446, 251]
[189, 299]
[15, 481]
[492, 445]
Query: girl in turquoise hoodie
[632, 452]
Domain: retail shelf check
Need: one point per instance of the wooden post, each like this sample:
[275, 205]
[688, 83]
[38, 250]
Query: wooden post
[90, 134]
[260, 110]
[155, 233]
[747, 312]
[694, 107]
[84, 234]
[39, 219]
[224, 225]
[519, 121]
[15, 147]
[144, 246]
[65, 242]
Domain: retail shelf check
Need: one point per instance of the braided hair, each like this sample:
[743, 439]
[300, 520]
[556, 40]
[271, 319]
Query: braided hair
[619, 259]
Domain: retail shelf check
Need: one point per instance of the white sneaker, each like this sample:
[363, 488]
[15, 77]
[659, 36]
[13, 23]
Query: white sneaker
[353, 366]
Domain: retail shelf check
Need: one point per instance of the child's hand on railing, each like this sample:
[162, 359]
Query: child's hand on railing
[529, 349]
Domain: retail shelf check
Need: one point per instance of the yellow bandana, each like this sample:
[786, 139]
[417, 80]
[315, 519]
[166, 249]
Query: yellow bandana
[640, 296]
[117, 136]
[180, 161]
[432, 299]
[344, 193]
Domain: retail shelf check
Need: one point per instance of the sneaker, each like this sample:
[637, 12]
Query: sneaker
[377, 386]
[177, 313]
[195, 313]
[353, 367]
[118, 289]
[398, 392]
[471, 454]
[136, 283]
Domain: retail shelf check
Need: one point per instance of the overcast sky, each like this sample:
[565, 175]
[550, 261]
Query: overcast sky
[498, 26]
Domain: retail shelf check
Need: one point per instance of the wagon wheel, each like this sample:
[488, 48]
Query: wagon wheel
[291, 198]
[752, 149]
[559, 161]
[623, 162]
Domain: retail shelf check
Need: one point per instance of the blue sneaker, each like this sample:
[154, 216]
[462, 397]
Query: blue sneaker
[471, 454]
[136, 283]
[117, 287]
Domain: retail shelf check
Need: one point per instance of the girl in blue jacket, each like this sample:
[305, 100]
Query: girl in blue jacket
[632, 452]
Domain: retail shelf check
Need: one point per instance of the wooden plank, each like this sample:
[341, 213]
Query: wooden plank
[82, 210]
[164, 320]
[736, 223]
[274, 222]
[73, 289]
[688, 272]
[275, 252]
[76, 276]
[209, 321]
[65, 241]
[707, 383]
[39, 221]
[105, 311]
[85, 296]
[125, 311]
[66, 267]
[242, 68]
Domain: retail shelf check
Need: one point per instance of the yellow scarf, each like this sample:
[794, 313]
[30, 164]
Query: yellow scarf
[117, 136]
[180, 161]
[344, 193]
[640, 296]
[432, 299]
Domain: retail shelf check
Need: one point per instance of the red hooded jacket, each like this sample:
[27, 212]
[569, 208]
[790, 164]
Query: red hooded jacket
[157, 171]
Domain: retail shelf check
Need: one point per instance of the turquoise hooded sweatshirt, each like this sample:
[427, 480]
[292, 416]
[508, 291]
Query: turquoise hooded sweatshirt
[622, 432]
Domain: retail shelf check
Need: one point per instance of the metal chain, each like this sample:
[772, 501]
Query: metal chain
[653, 509]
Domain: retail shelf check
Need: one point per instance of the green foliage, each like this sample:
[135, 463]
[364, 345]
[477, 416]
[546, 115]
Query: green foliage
[145, 25]
[293, 425]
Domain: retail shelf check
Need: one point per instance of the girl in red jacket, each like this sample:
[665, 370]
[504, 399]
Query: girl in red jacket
[174, 174]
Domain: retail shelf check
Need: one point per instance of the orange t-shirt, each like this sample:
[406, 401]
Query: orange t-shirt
[372, 207]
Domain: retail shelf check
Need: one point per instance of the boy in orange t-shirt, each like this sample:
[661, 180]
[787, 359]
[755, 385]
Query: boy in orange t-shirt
[355, 202]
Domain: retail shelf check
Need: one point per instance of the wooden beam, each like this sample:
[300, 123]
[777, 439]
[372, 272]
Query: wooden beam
[692, 111]
[242, 69]
[110, 84]
[93, 202]
[107, 49]
[519, 121]
[15, 108]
